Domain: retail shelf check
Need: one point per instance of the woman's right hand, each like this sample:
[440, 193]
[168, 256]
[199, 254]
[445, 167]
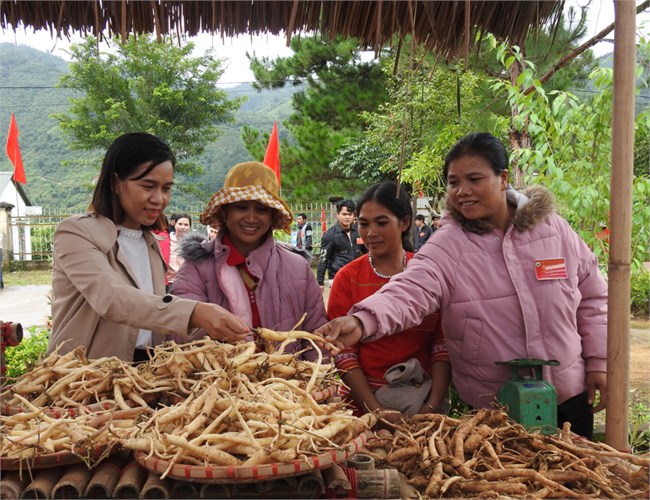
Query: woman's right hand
[341, 333]
[219, 323]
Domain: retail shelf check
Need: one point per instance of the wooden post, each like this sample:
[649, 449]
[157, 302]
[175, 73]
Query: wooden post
[103, 481]
[283, 487]
[245, 490]
[311, 485]
[13, 483]
[184, 489]
[155, 487]
[131, 481]
[43, 483]
[361, 461]
[381, 483]
[336, 481]
[214, 490]
[73, 483]
[618, 318]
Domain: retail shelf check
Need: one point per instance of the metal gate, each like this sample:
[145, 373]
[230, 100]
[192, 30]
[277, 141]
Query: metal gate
[32, 234]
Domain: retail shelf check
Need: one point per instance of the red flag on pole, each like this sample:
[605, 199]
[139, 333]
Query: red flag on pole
[272, 156]
[13, 152]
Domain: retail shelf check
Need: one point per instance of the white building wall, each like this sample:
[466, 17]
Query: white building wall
[21, 234]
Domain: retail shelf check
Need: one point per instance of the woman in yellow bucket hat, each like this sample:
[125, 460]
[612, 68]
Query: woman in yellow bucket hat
[244, 269]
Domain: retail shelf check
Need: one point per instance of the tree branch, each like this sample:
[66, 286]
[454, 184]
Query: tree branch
[589, 43]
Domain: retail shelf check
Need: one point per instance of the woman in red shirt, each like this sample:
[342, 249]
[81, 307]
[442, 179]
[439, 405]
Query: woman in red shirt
[385, 217]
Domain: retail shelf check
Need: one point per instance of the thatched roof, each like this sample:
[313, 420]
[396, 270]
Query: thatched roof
[445, 26]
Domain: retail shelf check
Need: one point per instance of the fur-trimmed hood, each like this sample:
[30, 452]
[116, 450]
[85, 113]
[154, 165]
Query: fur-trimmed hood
[195, 247]
[533, 203]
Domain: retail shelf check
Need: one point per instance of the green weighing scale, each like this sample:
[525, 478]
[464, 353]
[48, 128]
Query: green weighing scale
[530, 400]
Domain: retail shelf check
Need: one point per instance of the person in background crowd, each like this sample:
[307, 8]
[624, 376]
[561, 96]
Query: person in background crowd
[244, 269]
[340, 243]
[435, 222]
[172, 223]
[512, 279]
[182, 228]
[384, 226]
[212, 233]
[305, 232]
[108, 276]
[421, 233]
[164, 243]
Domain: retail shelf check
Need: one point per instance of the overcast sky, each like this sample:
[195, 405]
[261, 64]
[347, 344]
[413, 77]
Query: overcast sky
[601, 14]
[233, 50]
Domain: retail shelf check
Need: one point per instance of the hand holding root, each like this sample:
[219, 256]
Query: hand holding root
[274, 336]
[219, 323]
[340, 333]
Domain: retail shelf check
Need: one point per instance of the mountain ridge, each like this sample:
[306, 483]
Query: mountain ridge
[27, 82]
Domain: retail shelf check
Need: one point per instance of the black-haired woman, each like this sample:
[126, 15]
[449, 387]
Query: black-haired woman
[182, 228]
[108, 284]
[407, 372]
[512, 280]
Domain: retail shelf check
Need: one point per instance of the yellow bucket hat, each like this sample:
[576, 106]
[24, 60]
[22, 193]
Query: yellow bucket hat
[250, 181]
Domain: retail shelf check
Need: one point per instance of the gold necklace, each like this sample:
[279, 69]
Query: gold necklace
[382, 275]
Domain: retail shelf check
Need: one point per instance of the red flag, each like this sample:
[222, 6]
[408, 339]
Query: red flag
[272, 156]
[13, 152]
[322, 221]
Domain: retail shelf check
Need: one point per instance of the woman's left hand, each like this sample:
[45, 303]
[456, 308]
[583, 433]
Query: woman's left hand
[596, 381]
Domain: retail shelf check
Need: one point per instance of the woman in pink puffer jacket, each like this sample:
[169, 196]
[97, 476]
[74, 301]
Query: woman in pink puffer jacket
[512, 280]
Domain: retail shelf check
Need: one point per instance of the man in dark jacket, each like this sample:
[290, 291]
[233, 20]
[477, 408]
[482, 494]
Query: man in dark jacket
[304, 236]
[422, 232]
[340, 244]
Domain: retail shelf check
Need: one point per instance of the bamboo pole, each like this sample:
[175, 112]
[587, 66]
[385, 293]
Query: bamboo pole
[618, 316]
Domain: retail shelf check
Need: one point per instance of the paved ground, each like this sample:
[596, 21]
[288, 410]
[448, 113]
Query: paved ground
[28, 305]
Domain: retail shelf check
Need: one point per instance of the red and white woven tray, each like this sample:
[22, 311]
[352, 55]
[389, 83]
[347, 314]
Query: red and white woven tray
[244, 474]
[89, 455]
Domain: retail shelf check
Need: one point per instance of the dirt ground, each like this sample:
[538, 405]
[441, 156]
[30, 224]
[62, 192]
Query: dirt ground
[639, 365]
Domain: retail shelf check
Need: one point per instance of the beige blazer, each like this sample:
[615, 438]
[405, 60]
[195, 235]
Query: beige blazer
[95, 299]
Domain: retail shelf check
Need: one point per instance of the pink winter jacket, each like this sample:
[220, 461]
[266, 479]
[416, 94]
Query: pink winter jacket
[493, 306]
[287, 287]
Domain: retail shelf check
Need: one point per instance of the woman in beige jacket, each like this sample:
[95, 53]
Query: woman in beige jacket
[108, 273]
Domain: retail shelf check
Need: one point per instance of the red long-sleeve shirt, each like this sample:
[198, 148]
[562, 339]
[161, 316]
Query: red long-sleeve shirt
[426, 342]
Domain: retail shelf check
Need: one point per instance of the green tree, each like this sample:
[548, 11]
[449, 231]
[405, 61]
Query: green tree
[327, 114]
[430, 105]
[145, 86]
[544, 47]
[569, 151]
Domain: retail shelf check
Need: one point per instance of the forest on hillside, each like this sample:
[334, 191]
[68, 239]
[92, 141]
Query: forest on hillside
[60, 177]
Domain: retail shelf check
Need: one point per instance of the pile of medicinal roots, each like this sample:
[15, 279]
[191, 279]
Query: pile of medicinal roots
[202, 403]
[242, 408]
[487, 455]
[67, 384]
